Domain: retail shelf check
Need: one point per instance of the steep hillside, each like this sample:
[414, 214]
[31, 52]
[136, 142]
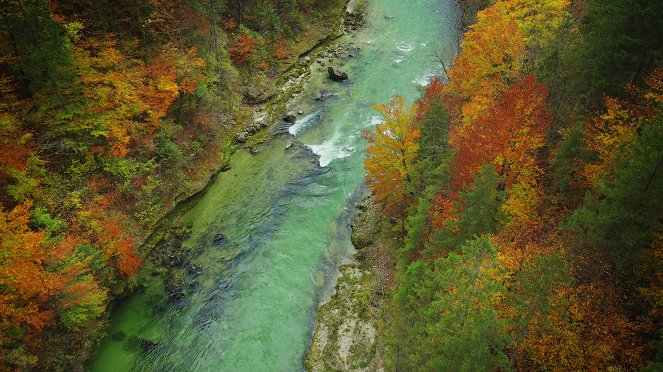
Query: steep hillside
[525, 188]
[112, 112]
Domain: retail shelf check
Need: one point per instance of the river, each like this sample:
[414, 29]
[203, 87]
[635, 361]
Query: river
[268, 234]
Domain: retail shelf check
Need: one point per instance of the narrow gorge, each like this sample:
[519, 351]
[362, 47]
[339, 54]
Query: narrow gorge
[263, 243]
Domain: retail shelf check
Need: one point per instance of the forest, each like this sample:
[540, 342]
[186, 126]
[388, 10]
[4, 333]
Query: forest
[110, 112]
[525, 190]
[522, 188]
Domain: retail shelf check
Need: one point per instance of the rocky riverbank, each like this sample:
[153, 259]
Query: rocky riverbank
[164, 255]
[347, 336]
[269, 102]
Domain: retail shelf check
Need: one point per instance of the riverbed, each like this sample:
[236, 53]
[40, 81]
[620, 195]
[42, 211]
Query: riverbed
[268, 234]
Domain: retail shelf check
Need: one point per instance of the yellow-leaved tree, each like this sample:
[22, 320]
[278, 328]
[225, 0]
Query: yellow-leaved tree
[391, 153]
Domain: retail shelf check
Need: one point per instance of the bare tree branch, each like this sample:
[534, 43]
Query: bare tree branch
[439, 58]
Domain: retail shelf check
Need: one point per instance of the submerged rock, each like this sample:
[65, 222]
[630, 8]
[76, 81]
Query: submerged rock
[148, 345]
[336, 74]
[353, 21]
[132, 344]
[250, 130]
[255, 127]
[325, 93]
[118, 336]
[194, 268]
[220, 239]
[175, 287]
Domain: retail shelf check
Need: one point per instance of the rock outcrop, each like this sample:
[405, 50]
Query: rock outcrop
[336, 74]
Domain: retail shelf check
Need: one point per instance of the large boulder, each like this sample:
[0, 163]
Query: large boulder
[255, 127]
[241, 137]
[257, 95]
[336, 74]
[290, 117]
[253, 95]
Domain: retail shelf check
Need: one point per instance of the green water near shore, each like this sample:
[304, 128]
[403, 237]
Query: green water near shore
[267, 235]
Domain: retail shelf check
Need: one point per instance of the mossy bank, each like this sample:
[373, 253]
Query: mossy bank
[348, 333]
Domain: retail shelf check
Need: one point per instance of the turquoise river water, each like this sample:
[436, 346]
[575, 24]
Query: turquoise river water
[269, 233]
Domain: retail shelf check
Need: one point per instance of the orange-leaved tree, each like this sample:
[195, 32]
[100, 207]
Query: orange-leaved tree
[40, 282]
[242, 47]
[492, 57]
[509, 135]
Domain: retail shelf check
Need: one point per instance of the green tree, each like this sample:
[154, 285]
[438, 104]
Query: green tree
[43, 49]
[622, 43]
[418, 225]
[446, 315]
[434, 142]
[480, 205]
[628, 206]
[533, 299]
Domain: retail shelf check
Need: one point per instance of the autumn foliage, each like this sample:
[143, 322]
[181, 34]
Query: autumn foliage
[281, 51]
[516, 122]
[109, 111]
[42, 282]
[564, 185]
[242, 48]
[391, 154]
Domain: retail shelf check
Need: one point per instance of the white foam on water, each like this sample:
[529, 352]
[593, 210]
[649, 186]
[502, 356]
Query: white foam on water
[375, 120]
[423, 44]
[301, 124]
[399, 59]
[425, 79]
[329, 151]
[405, 47]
